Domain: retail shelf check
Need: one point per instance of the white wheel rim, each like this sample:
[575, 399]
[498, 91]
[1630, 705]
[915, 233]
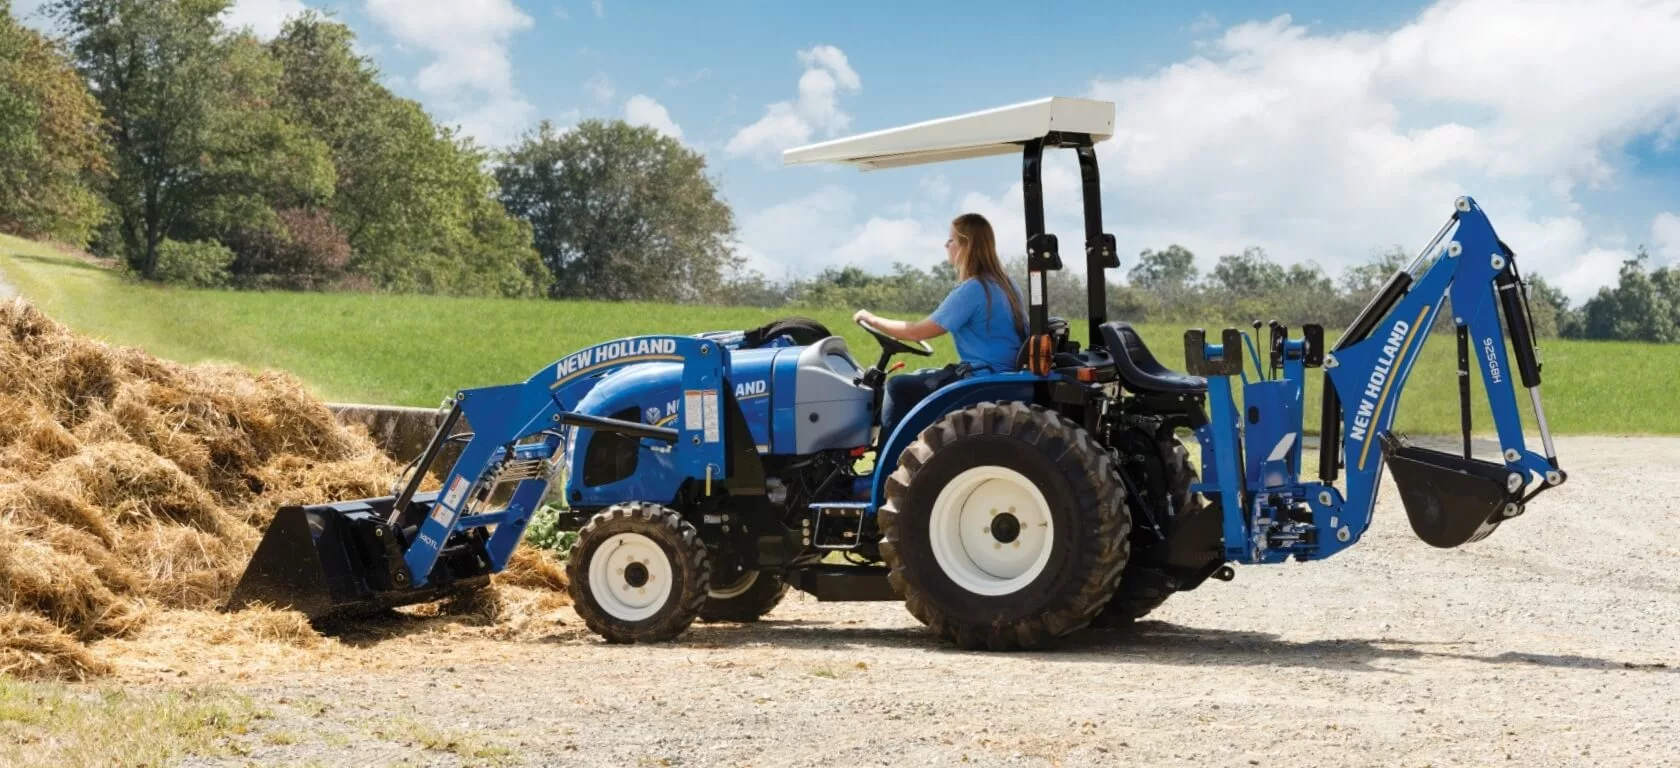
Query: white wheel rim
[614, 568]
[740, 587]
[978, 549]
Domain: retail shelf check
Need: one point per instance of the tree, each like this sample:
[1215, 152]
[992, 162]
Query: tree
[199, 152]
[1364, 280]
[414, 201]
[619, 212]
[1171, 270]
[53, 152]
[1638, 308]
[1251, 273]
[1550, 309]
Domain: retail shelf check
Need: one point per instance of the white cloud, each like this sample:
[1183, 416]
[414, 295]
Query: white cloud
[882, 241]
[642, 110]
[561, 14]
[936, 187]
[1665, 237]
[1325, 146]
[805, 235]
[264, 17]
[688, 79]
[600, 9]
[600, 88]
[470, 79]
[816, 108]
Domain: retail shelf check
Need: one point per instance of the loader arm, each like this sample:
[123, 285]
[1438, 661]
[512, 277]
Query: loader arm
[1251, 458]
[330, 558]
[503, 415]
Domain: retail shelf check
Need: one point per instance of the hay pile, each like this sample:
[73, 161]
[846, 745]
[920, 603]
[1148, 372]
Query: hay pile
[130, 484]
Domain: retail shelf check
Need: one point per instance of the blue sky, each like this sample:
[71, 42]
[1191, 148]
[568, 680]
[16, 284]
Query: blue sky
[1319, 131]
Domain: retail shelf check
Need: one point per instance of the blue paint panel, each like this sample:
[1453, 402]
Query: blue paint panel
[1221, 478]
[1277, 403]
[506, 414]
[784, 403]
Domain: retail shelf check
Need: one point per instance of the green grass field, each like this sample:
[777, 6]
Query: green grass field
[416, 350]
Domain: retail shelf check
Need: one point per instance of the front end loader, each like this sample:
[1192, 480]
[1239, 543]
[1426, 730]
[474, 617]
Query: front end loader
[706, 475]
[345, 558]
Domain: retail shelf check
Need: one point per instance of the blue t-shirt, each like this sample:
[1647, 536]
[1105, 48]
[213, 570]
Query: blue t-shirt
[977, 315]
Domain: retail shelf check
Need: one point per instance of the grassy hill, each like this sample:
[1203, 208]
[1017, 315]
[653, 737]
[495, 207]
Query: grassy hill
[416, 350]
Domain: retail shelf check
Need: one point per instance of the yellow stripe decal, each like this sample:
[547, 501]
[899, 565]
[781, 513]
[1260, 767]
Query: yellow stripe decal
[610, 363]
[1376, 418]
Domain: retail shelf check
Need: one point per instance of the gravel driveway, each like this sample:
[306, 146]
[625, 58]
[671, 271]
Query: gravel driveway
[1554, 642]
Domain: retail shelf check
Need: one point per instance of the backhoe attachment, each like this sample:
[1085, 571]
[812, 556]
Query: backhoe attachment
[1251, 456]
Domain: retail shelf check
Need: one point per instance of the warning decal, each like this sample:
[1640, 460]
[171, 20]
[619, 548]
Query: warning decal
[710, 406]
[691, 409]
[457, 489]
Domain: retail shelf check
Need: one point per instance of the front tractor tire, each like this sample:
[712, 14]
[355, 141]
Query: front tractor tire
[1005, 527]
[638, 573]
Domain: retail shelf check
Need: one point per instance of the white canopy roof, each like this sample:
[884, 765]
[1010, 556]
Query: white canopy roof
[977, 134]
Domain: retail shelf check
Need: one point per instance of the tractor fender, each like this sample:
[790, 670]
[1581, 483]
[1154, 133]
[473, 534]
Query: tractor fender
[993, 387]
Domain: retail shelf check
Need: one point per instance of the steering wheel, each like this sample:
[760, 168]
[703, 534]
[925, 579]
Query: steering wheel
[892, 345]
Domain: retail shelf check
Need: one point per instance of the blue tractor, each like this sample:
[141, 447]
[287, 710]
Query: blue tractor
[707, 474]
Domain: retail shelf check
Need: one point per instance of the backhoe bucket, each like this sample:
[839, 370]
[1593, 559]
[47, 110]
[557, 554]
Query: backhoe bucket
[1451, 500]
[335, 560]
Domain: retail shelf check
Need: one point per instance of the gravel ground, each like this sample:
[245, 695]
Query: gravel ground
[1551, 643]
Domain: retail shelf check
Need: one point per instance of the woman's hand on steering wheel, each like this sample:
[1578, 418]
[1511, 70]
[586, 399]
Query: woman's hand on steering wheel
[889, 344]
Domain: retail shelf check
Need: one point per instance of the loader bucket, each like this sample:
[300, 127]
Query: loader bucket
[334, 560]
[293, 567]
[1451, 500]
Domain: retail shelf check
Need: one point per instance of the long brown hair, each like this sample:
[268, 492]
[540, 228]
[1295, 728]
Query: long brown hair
[980, 260]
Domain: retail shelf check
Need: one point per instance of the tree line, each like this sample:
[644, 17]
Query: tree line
[150, 133]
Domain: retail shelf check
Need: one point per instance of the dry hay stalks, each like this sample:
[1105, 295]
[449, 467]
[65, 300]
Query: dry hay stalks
[130, 484]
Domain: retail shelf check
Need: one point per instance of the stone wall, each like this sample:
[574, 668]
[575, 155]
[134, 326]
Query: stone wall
[402, 432]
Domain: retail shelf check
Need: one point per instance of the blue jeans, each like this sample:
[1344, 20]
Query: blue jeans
[905, 390]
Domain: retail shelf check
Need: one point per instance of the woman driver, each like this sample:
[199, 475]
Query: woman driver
[983, 314]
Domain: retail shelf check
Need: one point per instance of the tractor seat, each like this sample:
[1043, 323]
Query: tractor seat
[1139, 370]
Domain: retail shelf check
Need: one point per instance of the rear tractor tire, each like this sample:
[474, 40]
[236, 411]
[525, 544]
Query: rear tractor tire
[744, 596]
[1005, 527]
[1142, 590]
[638, 573]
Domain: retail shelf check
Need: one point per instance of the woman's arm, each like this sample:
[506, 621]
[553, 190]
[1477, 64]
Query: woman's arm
[918, 330]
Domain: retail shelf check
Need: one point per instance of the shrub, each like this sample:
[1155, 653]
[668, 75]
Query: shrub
[302, 251]
[197, 264]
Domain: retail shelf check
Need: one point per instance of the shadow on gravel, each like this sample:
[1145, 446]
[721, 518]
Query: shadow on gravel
[1149, 641]
[1165, 643]
[1152, 642]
